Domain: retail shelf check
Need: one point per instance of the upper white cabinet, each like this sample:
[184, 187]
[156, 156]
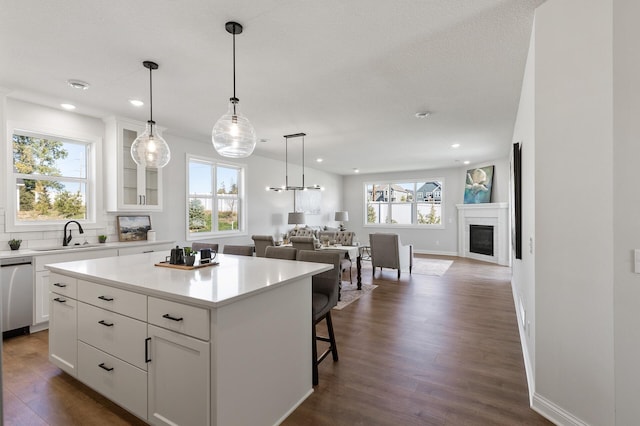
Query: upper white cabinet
[129, 187]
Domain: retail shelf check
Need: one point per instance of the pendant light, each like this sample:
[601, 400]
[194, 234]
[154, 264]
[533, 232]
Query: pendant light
[149, 149]
[286, 186]
[233, 135]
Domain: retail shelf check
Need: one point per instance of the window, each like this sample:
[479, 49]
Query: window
[405, 203]
[215, 199]
[51, 180]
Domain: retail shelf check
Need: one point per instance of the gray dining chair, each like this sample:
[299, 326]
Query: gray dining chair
[197, 246]
[286, 253]
[237, 250]
[262, 242]
[324, 297]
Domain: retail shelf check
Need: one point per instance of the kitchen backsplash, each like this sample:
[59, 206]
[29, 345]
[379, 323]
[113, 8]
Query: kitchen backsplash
[37, 239]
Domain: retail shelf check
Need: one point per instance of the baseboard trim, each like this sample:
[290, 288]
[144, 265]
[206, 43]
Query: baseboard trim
[528, 367]
[553, 413]
[436, 253]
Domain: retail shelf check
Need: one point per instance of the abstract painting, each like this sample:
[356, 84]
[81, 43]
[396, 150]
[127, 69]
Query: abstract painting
[477, 188]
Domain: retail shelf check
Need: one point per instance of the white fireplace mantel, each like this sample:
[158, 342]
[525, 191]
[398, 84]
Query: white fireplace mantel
[493, 214]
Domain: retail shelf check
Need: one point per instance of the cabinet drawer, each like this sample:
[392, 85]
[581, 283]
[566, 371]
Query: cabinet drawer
[145, 249]
[124, 302]
[122, 383]
[185, 319]
[120, 336]
[63, 285]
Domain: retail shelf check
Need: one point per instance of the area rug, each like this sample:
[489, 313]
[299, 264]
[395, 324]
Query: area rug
[350, 294]
[421, 266]
[435, 267]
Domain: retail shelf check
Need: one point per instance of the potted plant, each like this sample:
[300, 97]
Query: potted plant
[102, 238]
[14, 244]
[189, 256]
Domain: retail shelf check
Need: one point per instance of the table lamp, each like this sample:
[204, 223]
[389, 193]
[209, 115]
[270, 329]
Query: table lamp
[341, 217]
[296, 218]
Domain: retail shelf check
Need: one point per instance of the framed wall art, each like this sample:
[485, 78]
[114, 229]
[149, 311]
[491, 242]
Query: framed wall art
[133, 228]
[478, 185]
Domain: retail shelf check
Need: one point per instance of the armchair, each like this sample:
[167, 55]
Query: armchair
[388, 252]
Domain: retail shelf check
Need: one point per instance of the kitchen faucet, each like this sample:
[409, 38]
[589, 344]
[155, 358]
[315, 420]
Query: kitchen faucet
[65, 239]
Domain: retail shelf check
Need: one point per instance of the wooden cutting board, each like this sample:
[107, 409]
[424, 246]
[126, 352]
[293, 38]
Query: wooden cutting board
[185, 267]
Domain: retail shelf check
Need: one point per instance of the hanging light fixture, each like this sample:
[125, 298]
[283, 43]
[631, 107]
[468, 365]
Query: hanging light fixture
[233, 135]
[286, 186]
[149, 149]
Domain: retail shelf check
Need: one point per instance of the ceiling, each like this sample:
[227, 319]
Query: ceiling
[350, 74]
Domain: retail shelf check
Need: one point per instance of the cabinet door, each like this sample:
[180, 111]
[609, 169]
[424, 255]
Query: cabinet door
[179, 379]
[136, 188]
[41, 292]
[63, 346]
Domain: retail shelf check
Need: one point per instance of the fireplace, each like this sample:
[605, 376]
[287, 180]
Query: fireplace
[483, 232]
[481, 239]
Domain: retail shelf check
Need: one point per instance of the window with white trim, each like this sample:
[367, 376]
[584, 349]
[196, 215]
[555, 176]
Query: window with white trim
[51, 180]
[404, 203]
[215, 200]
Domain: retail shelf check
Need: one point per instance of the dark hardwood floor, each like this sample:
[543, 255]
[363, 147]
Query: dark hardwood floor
[423, 350]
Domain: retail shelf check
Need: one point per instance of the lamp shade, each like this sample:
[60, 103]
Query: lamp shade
[149, 149]
[341, 217]
[296, 218]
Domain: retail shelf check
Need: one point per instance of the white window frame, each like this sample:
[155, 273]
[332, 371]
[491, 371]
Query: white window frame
[242, 199]
[93, 197]
[414, 204]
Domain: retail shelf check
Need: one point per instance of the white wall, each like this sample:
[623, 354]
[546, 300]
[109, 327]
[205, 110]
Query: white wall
[267, 210]
[626, 201]
[432, 241]
[574, 242]
[523, 270]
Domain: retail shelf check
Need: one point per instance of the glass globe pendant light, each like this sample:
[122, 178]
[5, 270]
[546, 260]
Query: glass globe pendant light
[150, 149]
[233, 135]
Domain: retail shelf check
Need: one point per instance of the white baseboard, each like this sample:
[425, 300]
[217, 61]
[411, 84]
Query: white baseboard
[528, 366]
[437, 253]
[554, 413]
[537, 402]
[39, 327]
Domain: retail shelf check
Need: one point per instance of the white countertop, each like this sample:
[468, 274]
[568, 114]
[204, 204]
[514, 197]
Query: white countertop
[236, 277]
[6, 254]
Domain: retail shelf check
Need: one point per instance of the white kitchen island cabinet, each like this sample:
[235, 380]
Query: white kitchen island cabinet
[223, 345]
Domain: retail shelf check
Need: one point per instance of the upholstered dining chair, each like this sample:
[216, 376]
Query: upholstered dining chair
[345, 238]
[237, 250]
[303, 243]
[324, 297]
[262, 242]
[388, 252]
[197, 246]
[286, 253]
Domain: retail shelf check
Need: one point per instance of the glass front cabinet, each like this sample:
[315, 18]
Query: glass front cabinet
[135, 188]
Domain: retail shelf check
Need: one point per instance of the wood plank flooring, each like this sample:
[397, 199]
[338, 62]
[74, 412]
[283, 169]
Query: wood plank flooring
[423, 350]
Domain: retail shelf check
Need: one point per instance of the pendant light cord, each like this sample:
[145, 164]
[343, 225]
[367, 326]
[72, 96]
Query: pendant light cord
[150, 95]
[234, 70]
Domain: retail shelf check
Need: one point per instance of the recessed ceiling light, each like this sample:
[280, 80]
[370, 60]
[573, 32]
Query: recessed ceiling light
[455, 145]
[68, 107]
[424, 114]
[319, 160]
[264, 140]
[466, 162]
[136, 102]
[356, 170]
[78, 84]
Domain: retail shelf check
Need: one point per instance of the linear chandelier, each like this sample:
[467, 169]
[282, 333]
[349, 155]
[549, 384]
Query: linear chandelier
[286, 186]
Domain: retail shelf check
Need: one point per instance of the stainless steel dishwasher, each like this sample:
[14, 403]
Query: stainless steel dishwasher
[16, 276]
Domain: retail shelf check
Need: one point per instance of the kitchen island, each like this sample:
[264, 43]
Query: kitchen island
[222, 345]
